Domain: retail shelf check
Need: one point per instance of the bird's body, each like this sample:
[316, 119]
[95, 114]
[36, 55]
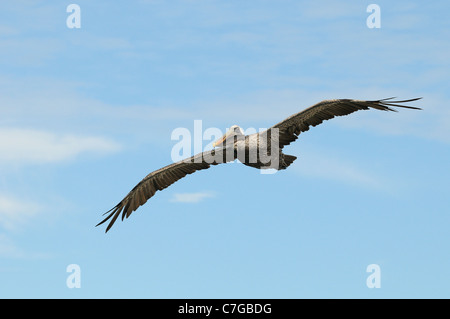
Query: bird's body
[259, 150]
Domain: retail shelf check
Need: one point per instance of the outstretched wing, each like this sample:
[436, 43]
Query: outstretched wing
[290, 128]
[164, 177]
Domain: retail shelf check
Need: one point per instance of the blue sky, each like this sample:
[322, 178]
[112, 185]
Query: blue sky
[86, 113]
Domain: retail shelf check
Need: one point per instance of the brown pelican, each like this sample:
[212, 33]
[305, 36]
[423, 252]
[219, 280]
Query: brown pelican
[260, 150]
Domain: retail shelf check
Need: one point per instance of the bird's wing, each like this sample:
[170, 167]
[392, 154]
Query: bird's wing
[164, 177]
[291, 127]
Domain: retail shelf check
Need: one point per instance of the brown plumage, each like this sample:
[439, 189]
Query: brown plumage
[289, 130]
[291, 127]
[162, 178]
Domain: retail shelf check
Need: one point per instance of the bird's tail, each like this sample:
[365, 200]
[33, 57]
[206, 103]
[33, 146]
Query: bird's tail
[287, 160]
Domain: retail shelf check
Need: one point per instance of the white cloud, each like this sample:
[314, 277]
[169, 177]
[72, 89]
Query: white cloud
[37, 146]
[14, 212]
[190, 197]
[47, 104]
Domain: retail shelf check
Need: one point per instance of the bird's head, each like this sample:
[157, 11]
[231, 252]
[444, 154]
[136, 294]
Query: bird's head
[234, 131]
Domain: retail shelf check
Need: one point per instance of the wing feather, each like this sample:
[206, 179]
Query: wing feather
[161, 179]
[291, 127]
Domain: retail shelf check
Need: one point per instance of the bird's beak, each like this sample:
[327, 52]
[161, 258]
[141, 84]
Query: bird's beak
[221, 140]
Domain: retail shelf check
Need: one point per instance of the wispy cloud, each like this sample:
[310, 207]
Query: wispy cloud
[37, 146]
[318, 165]
[8, 30]
[432, 122]
[60, 106]
[15, 212]
[9, 249]
[191, 197]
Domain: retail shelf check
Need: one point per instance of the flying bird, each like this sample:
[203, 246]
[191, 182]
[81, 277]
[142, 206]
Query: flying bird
[259, 150]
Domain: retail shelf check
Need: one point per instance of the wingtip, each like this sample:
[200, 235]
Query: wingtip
[389, 102]
[100, 224]
[112, 212]
[108, 228]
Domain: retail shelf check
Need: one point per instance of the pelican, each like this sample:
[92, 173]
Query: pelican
[261, 150]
